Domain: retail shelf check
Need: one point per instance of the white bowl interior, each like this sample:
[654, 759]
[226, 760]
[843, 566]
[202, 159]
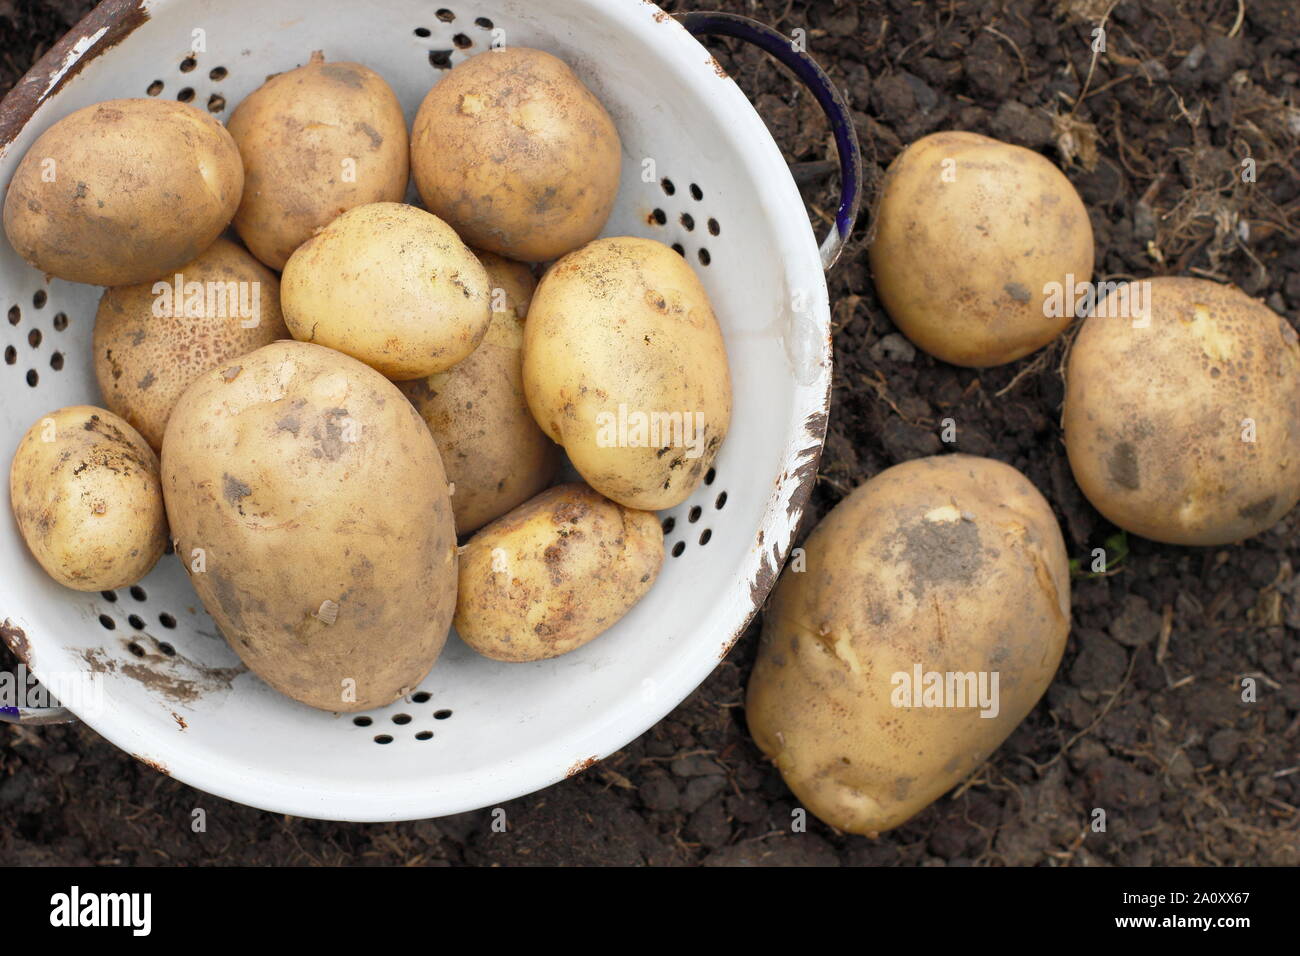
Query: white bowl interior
[477, 732]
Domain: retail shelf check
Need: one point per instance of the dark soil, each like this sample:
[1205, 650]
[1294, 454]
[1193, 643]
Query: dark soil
[1145, 718]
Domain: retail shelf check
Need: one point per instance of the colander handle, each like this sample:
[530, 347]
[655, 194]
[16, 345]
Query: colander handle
[710, 23]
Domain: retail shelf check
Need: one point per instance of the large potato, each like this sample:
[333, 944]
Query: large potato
[625, 366]
[947, 566]
[517, 154]
[316, 141]
[84, 489]
[971, 233]
[390, 285]
[153, 339]
[308, 503]
[1183, 423]
[555, 573]
[495, 455]
[123, 192]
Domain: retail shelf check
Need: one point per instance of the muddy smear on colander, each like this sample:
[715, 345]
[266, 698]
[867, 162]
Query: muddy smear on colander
[175, 678]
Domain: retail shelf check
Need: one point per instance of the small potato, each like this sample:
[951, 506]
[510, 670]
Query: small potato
[313, 496]
[123, 192]
[517, 155]
[316, 141]
[390, 285]
[930, 616]
[495, 455]
[554, 573]
[1183, 424]
[971, 235]
[625, 366]
[85, 491]
[152, 340]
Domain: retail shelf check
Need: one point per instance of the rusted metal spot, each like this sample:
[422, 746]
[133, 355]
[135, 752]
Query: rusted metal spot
[180, 721]
[99, 31]
[16, 640]
[717, 68]
[153, 765]
[580, 766]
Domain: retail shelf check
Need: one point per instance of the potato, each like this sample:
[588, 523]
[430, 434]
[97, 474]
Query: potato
[85, 492]
[495, 455]
[930, 617]
[625, 366]
[316, 141]
[517, 155]
[153, 339]
[970, 234]
[1182, 417]
[390, 285]
[308, 503]
[555, 573]
[123, 192]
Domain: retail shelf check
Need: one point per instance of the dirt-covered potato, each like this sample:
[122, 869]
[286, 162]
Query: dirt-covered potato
[557, 571]
[308, 504]
[495, 455]
[316, 141]
[517, 154]
[971, 234]
[85, 491]
[153, 339]
[625, 366]
[1183, 423]
[123, 192]
[929, 617]
[390, 285]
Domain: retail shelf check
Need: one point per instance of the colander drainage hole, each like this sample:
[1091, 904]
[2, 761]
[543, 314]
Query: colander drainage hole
[166, 648]
[11, 355]
[678, 548]
[441, 714]
[484, 22]
[137, 592]
[401, 719]
[108, 622]
[714, 228]
[217, 74]
[108, 595]
[39, 298]
[15, 315]
[32, 377]
[422, 31]
[155, 88]
[362, 721]
[707, 534]
[60, 321]
[688, 222]
[421, 696]
[696, 193]
[424, 735]
[188, 64]
[56, 361]
[669, 523]
[135, 649]
[216, 103]
[34, 338]
[441, 59]
[658, 217]
[135, 621]
[383, 739]
[694, 514]
[186, 94]
[445, 15]
[679, 249]
[166, 620]
[710, 475]
[667, 185]
[462, 42]
[705, 258]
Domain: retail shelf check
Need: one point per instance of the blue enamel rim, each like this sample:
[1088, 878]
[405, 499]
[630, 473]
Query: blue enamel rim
[701, 24]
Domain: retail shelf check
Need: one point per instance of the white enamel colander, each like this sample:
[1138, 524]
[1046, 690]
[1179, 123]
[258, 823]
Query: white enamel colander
[146, 666]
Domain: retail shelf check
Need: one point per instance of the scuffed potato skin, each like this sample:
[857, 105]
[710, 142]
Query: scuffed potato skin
[961, 266]
[144, 362]
[555, 573]
[626, 322]
[88, 501]
[123, 192]
[517, 154]
[1157, 419]
[316, 141]
[316, 501]
[390, 285]
[495, 455]
[954, 563]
